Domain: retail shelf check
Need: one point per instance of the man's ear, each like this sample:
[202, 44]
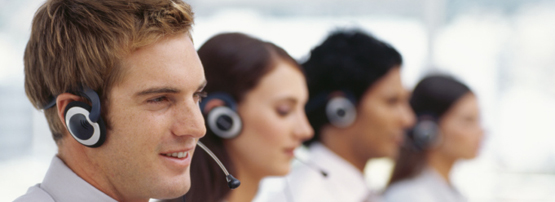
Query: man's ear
[62, 101]
[211, 104]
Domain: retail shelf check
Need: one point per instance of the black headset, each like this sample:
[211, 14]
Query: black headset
[339, 107]
[223, 121]
[425, 132]
[83, 121]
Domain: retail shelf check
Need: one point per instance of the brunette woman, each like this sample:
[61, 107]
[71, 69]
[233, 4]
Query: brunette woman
[254, 116]
[447, 130]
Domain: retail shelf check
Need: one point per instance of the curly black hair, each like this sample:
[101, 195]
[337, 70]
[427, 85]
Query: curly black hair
[348, 60]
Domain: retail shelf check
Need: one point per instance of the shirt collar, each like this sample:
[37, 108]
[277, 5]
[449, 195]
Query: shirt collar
[339, 170]
[64, 185]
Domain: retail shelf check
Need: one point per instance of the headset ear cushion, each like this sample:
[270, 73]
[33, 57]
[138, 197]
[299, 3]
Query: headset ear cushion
[425, 133]
[86, 132]
[341, 112]
[224, 122]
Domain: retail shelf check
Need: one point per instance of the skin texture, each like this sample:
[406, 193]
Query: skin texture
[274, 125]
[461, 135]
[153, 110]
[383, 115]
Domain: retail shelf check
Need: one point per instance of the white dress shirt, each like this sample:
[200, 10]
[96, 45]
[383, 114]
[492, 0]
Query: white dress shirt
[61, 184]
[344, 182]
[428, 186]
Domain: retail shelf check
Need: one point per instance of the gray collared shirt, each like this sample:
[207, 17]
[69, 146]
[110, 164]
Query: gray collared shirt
[61, 184]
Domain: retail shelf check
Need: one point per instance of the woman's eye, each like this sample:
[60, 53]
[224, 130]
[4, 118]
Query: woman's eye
[283, 111]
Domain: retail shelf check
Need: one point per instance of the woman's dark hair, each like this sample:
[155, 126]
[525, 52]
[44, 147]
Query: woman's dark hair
[234, 63]
[432, 96]
[348, 60]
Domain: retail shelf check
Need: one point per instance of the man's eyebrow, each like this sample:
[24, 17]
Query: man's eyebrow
[157, 90]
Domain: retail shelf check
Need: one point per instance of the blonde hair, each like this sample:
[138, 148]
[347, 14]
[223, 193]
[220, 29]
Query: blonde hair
[76, 43]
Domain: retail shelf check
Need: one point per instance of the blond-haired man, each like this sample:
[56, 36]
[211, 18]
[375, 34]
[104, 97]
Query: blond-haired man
[119, 82]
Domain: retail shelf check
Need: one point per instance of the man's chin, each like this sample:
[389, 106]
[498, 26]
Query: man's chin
[392, 153]
[174, 186]
[174, 192]
[181, 188]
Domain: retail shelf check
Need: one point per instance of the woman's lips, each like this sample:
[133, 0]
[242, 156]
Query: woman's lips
[290, 151]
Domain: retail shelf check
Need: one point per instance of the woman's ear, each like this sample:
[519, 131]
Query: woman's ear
[211, 104]
[62, 101]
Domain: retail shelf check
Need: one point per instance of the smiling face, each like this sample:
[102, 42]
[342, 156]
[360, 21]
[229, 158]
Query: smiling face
[155, 122]
[274, 123]
[383, 116]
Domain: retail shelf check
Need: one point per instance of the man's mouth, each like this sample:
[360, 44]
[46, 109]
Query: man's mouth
[178, 155]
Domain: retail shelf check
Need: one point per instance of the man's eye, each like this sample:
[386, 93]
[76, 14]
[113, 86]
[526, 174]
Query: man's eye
[158, 100]
[392, 100]
[200, 95]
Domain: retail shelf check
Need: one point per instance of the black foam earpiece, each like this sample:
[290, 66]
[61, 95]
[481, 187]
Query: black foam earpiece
[232, 182]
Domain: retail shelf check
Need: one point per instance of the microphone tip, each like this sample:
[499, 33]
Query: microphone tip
[232, 182]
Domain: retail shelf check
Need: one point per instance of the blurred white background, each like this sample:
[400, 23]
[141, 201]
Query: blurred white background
[503, 49]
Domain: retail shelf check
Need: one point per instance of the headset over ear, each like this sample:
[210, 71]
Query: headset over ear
[84, 122]
[223, 121]
[425, 132]
[340, 109]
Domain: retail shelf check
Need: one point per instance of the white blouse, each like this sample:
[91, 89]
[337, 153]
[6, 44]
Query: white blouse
[428, 186]
[344, 182]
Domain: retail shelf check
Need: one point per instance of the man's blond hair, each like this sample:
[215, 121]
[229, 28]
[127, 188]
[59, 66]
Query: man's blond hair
[76, 43]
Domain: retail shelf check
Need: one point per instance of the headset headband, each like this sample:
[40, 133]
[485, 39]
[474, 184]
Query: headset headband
[90, 95]
[226, 98]
[427, 115]
[51, 103]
